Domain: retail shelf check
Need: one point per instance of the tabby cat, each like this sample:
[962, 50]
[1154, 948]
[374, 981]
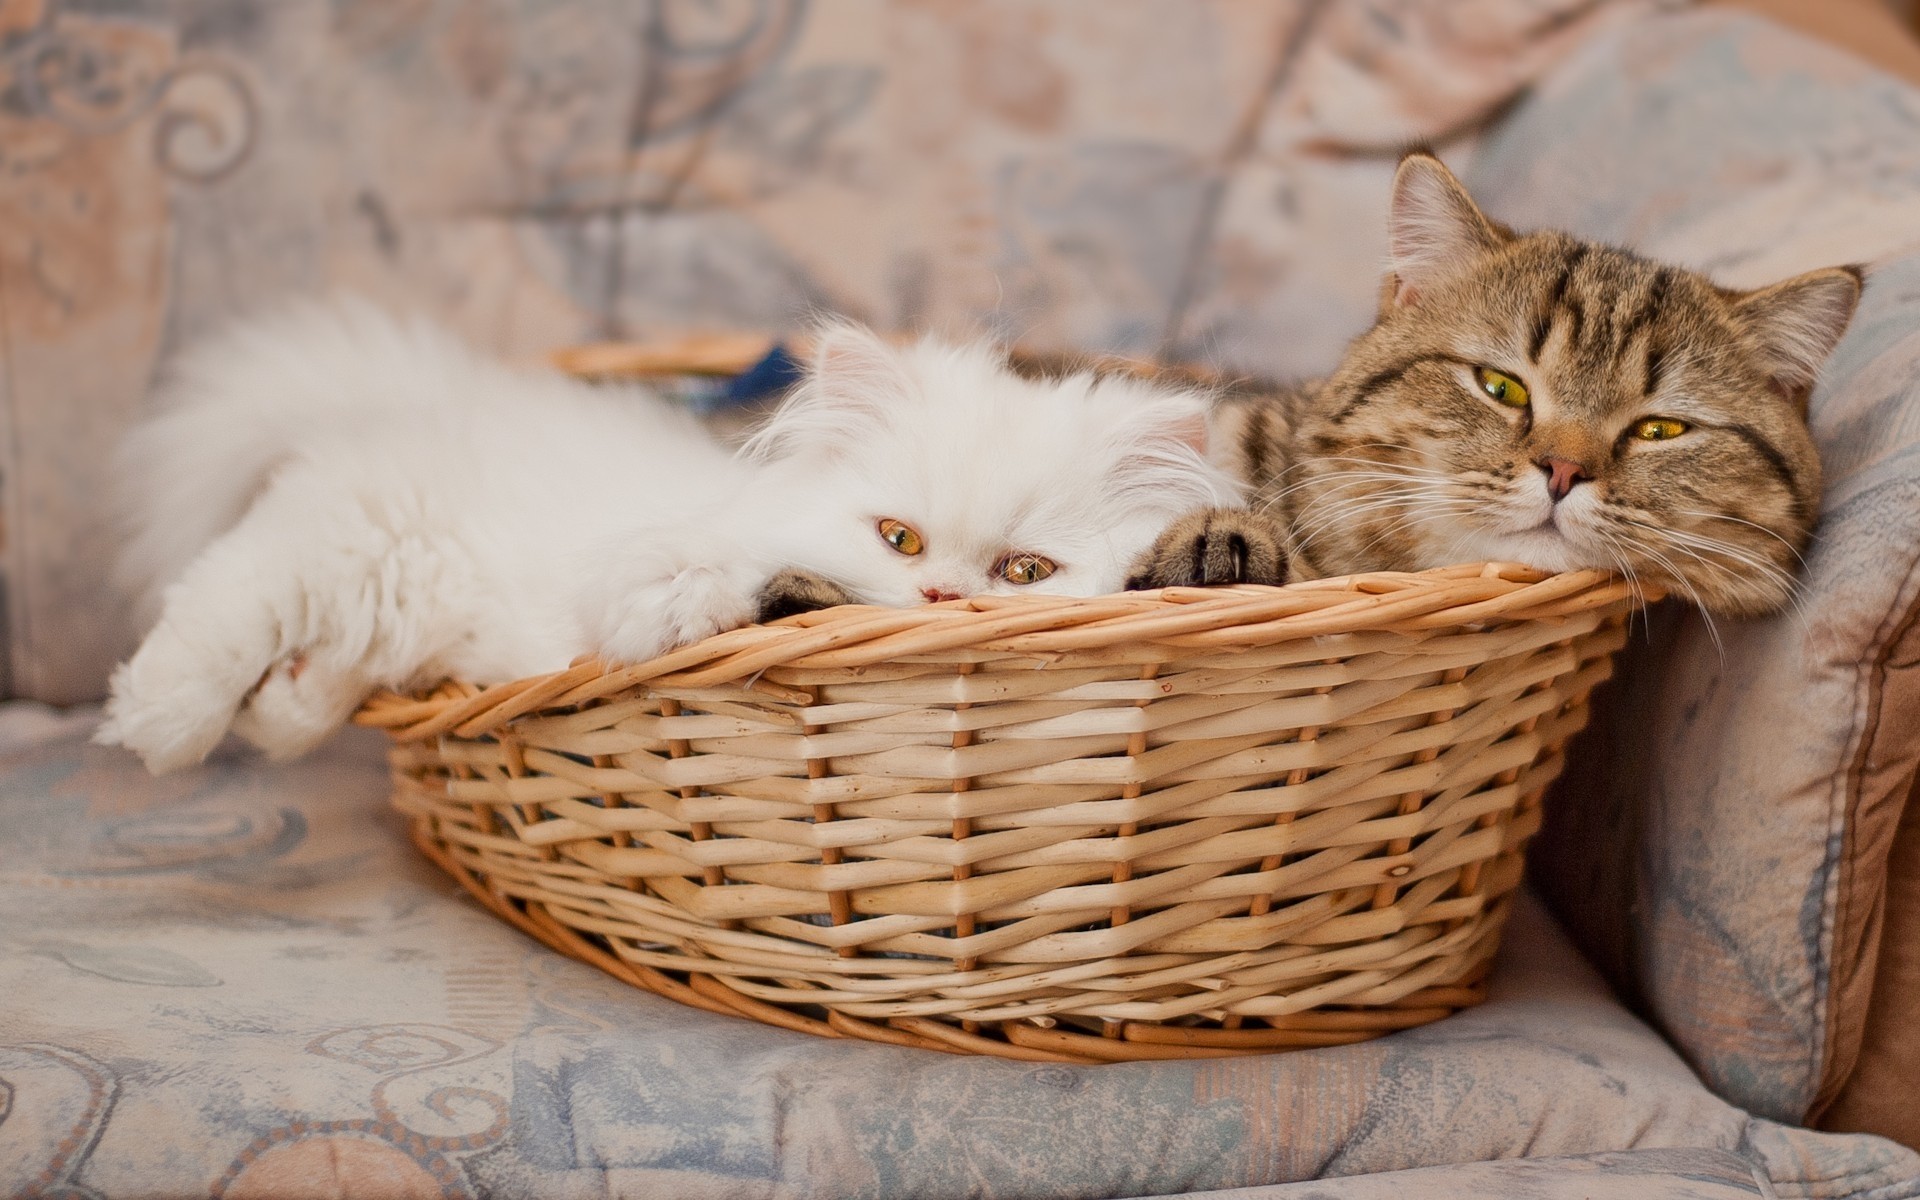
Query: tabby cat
[1541, 399]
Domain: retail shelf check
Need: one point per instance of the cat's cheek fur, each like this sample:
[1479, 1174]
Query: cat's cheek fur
[839, 543]
[1542, 549]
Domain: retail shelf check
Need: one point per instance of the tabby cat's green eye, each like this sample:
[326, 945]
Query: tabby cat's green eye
[1659, 429]
[1025, 568]
[901, 536]
[1504, 388]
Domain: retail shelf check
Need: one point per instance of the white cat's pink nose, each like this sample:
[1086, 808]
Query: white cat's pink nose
[934, 595]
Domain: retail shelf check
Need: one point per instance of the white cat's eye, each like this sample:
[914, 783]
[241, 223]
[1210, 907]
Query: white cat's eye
[1021, 567]
[901, 536]
[1502, 387]
[1659, 429]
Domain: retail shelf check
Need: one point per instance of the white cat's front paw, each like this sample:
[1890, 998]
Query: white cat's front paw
[697, 602]
[164, 712]
[300, 703]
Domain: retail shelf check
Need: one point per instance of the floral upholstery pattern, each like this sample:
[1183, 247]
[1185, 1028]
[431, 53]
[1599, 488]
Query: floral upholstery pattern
[242, 981]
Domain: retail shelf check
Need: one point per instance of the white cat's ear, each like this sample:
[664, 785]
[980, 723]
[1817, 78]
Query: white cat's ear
[1147, 414]
[1157, 438]
[853, 380]
[1798, 322]
[1434, 229]
[852, 361]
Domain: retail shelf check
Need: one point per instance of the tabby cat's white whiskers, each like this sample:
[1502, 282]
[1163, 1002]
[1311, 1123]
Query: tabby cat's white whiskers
[1611, 546]
[1431, 506]
[1339, 513]
[1740, 563]
[1411, 523]
[1684, 585]
[1712, 516]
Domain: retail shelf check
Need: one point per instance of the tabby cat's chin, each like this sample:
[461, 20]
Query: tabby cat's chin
[1544, 549]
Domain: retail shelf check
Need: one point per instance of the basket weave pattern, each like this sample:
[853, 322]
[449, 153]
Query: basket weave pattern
[1151, 825]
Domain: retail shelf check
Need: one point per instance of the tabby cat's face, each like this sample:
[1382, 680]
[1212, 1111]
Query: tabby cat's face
[1540, 399]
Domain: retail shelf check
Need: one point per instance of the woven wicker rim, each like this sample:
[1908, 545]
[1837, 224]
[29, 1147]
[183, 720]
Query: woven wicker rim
[1039, 627]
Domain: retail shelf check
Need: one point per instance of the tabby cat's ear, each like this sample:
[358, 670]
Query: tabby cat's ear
[1798, 322]
[1434, 229]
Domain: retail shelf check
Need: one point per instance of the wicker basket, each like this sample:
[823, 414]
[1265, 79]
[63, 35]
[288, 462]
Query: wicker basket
[1155, 825]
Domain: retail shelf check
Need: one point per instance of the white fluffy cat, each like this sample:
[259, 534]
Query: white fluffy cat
[331, 501]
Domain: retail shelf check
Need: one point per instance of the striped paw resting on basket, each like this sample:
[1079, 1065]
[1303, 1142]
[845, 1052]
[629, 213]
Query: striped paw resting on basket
[1192, 822]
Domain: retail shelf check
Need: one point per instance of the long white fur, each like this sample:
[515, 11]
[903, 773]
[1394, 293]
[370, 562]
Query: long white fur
[328, 501]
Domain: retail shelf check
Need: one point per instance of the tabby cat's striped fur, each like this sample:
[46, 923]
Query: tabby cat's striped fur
[1661, 428]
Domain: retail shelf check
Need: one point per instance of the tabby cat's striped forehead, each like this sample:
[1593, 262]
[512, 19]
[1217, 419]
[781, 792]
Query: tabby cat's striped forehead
[1597, 309]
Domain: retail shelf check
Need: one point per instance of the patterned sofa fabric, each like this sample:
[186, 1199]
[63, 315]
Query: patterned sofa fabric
[241, 981]
[1634, 1175]
[1720, 842]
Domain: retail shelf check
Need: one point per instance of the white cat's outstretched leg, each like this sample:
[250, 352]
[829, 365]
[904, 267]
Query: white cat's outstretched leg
[272, 593]
[163, 708]
[172, 702]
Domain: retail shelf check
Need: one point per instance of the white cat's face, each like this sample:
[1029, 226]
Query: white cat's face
[933, 472]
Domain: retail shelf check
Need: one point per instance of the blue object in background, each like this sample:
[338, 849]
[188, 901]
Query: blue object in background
[777, 371]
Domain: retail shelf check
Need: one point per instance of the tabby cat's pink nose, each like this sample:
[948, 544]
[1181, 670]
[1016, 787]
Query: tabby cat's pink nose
[936, 595]
[1562, 474]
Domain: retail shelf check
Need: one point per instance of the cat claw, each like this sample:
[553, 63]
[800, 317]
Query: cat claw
[1214, 547]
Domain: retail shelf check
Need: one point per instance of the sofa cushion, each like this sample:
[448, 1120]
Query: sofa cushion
[1883, 1093]
[1633, 1175]
[1719, 843]
[242, 979]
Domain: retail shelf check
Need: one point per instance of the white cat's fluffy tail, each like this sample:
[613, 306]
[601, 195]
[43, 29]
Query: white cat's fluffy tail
[233, 408]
